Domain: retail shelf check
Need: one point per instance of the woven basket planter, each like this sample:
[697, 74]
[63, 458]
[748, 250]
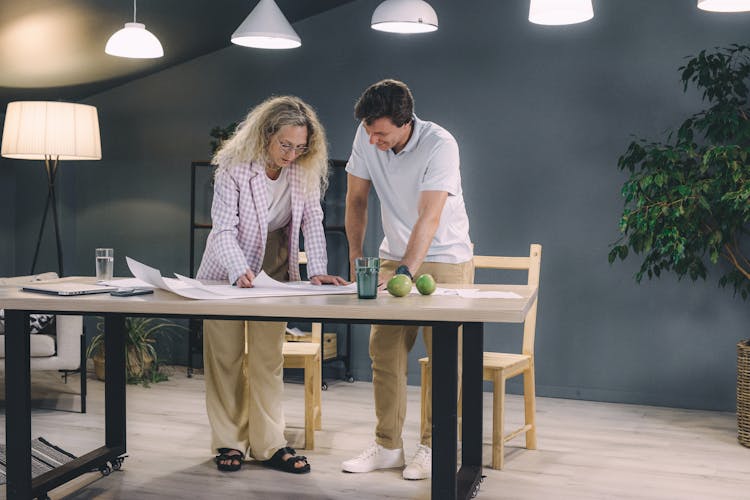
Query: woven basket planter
[743, 393]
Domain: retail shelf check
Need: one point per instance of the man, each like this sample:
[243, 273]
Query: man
[414, 166]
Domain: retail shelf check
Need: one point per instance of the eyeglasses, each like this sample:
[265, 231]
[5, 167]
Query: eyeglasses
[288, 148]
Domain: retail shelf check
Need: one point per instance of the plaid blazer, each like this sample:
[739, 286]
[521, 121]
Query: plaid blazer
[240, 225]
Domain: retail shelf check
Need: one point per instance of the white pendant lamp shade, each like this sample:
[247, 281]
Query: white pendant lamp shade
[404, 16]
[266, 28]
[559, 12]
[35, 130]
[724, 5]
[134, 41]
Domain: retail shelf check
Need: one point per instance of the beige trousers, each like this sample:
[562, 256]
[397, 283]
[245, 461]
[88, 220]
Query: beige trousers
[244, 366]
[389, 350]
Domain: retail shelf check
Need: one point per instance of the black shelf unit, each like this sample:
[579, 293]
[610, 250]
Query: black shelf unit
[205, 170]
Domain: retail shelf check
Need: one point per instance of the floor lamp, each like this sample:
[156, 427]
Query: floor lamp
[51, 131]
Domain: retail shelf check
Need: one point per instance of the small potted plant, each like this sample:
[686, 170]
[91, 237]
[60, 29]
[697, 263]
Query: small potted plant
[141, 358]
[687, 201]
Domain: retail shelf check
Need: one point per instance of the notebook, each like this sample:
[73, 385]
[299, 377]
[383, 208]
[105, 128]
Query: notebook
[68, 288]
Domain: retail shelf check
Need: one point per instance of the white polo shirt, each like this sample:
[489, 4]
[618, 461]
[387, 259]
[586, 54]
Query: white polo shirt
[429, 162]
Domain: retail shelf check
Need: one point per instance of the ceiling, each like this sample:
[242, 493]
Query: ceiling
[54, 49]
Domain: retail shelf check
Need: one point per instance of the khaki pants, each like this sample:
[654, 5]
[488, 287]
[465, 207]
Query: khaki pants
[389, 350]
[244, 365]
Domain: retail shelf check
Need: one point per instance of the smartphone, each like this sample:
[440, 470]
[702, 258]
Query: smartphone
[129, 292]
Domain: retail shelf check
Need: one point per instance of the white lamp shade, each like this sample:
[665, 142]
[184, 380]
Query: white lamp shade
[558, 12]
[724, 5]
[35, 130]
[266, 28]
[134, 41]
[404, 16]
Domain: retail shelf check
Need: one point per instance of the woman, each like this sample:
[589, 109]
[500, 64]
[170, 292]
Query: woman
[270, 178]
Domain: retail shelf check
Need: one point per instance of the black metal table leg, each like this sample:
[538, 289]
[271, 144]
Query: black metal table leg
[114, 383]
[83, 373]
[192, 335]
[348, 359]
[470, 474]
[445, 387]
[18, 401]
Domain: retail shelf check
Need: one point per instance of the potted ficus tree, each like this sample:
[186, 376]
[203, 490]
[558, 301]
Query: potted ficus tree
[687, 200]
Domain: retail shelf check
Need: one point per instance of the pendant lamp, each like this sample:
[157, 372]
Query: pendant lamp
[404, 16]
[266, 28]
[134, 41]
[724, 5]
[559, 12]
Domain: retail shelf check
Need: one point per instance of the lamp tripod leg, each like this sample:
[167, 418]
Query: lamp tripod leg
[57, 231]
[41, 232]
[50, 165]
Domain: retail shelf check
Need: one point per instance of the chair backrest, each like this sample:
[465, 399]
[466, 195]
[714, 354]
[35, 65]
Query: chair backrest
[317, 328]
[532, 265]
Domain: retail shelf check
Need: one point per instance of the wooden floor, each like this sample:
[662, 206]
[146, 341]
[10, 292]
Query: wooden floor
[586, 450]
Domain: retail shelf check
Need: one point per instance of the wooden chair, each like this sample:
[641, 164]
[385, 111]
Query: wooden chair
[499, 367]
[308, 356]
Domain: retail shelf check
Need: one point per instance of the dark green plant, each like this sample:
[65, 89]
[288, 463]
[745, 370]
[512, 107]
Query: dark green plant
[687, 201]
[142, 360]
[220, 135]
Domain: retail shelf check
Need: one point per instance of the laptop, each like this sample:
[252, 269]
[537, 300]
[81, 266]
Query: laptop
[68, 288]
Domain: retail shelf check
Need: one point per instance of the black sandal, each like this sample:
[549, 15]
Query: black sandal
[288, 465]
[235, 460]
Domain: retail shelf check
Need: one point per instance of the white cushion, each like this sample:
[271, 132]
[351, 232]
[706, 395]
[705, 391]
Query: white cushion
[42, 346]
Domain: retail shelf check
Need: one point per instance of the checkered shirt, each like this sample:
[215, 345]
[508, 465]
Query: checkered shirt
[240, 225]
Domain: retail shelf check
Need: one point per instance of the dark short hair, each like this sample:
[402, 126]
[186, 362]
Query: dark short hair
[387, 98]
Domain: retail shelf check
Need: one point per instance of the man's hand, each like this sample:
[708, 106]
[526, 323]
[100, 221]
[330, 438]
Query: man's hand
[430, 208]
[327, 279]
[246, 280]
[383, 278]
[355, 218]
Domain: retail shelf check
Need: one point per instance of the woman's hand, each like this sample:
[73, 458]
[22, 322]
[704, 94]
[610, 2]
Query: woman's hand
[246, 280]
[327, 279]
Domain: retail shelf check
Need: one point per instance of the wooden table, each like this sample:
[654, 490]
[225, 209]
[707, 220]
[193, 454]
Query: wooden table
[444, 313]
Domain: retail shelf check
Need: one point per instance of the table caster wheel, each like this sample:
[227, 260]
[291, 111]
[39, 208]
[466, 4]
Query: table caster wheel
[475, 491]
[117, 463]
[350, 379]
[324, 386]
[105, 470]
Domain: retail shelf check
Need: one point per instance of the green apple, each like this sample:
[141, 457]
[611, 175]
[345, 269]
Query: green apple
[399, 285]
[426, 284]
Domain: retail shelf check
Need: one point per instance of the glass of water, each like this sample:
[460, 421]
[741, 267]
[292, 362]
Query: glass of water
[105, 263]
[367, 269]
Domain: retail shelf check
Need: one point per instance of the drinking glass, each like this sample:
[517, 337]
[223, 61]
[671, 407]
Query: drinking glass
[105, 263]
[367, 269]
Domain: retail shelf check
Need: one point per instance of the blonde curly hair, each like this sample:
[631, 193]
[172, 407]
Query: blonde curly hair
[251, 140]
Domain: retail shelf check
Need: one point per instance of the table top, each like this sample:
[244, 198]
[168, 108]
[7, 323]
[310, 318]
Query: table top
[427, 309]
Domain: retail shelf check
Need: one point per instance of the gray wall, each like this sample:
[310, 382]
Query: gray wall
[541, 115]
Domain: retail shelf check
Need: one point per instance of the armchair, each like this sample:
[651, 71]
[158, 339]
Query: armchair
[62, 350]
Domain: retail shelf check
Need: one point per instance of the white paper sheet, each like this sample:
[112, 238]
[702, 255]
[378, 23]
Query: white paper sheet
[264, 286]
[128, 283]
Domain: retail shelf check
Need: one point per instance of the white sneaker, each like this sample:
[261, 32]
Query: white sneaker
[373, 458]
[421, 465]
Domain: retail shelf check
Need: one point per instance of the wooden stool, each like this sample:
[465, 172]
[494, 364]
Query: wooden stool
[306, 355]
